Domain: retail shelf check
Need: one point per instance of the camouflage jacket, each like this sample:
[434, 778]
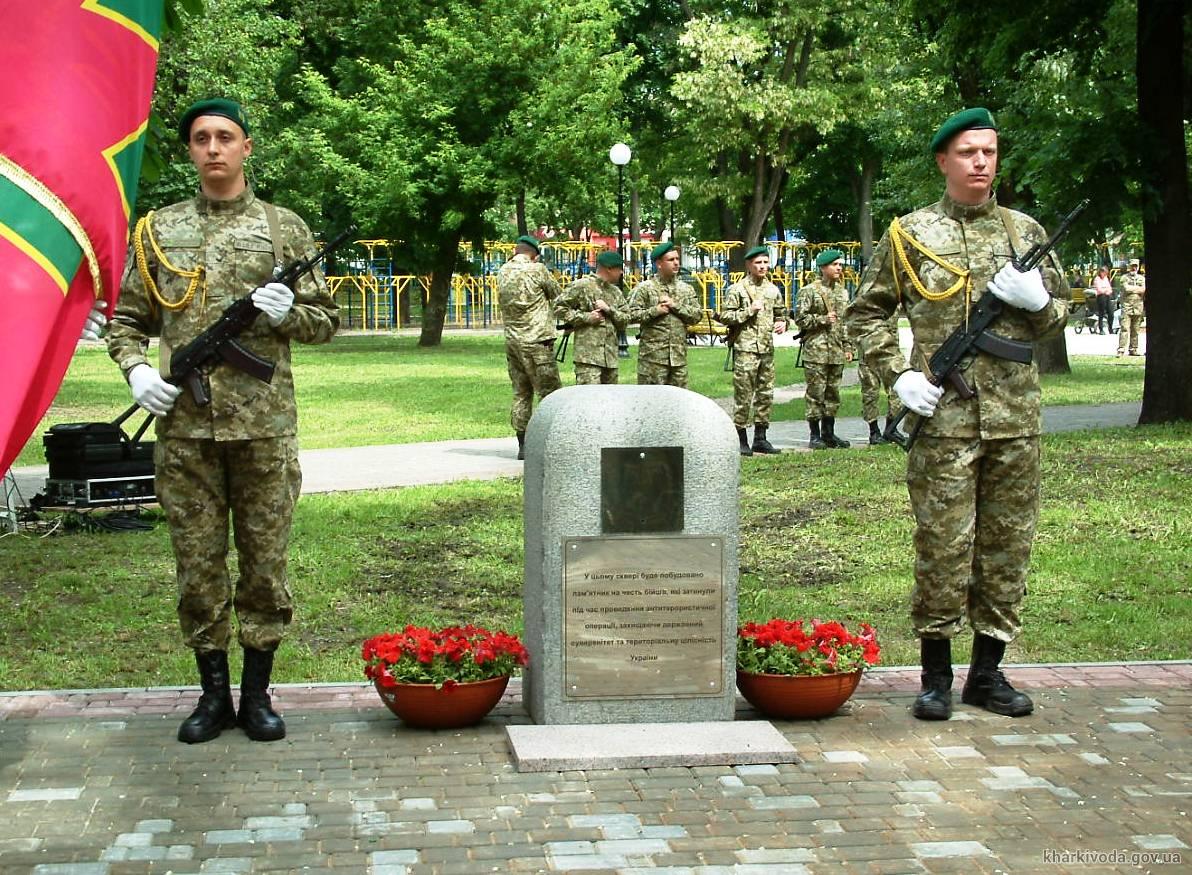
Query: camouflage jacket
[974, 238]
[526, 291]
[756, 333]
[595, 341]
[823, 342]
[230, 240]
[663, 336]
[1133, 289]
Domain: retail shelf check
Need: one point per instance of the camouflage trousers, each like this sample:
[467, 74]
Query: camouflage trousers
[1128, 329]
[871, 388]
[199, 482]
[823, 388]
[661, 374]
[976, 503]
[532, 370]
[595, 375]
[753, 388]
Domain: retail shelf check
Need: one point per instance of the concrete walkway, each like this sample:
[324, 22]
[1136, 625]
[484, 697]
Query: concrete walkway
[1098, 779]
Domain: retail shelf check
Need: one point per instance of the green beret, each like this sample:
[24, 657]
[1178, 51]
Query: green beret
[608, 258]
[215, 106]
[530, 241]
[976, 119]
[756, 251]
[827, 257]
[661, 249]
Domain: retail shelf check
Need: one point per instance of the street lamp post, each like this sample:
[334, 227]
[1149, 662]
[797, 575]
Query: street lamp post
[620, 154]
[672, 194]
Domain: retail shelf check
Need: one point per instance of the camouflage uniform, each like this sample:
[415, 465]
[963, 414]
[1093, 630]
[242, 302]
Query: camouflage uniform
[753, 349]
[526, 290]
[973, 473]
[825, 345]
[871, 385]
[1133, 289]
[240, 453]
[662, 341]
[595, 342]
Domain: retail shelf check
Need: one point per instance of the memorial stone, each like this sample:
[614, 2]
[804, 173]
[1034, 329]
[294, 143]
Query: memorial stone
[631, 532]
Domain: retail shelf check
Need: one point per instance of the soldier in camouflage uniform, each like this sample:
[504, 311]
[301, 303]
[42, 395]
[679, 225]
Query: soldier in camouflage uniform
[819, 309]
[526, 292]
[238, 454]
[973, 473]
[871, 389]
[1133, 291]
[755, 311]
[595, 309]
[664, 305]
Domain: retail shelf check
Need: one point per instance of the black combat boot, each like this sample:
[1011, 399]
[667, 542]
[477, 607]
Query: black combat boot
[816, 442]
[830, 439]
[760, 444]
[875, 436]
[744, 439]
[987, 687]
[935, 701]
[257, 717]
[889, 420]
[215, 711]
[521, 445]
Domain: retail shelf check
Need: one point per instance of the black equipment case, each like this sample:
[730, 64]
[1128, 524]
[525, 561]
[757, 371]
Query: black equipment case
[93, 450]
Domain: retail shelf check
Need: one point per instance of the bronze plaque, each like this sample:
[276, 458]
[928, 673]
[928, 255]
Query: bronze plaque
[641, 490]
[643, 617]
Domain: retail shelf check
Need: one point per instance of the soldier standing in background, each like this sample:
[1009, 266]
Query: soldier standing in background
[526, 292]
[239, 453]
[664, 306]
[595, 309]
[973, 474]
[818, 313]
[754, 312]
[1133, 291]
[871, 389]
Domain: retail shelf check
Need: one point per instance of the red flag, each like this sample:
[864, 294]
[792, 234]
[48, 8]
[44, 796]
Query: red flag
[74, 108]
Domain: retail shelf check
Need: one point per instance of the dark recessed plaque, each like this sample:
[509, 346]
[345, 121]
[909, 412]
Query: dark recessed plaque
[641, 489]
[643, 617]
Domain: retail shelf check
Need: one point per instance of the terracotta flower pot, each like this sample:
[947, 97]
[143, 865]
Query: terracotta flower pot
[789, 697]
[424, 707]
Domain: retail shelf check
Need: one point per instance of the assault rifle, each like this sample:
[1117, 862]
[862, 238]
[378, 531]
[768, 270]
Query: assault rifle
[974, 335]
[219, 344]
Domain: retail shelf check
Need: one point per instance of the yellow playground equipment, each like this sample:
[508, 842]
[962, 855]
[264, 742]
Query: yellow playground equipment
[375, 295]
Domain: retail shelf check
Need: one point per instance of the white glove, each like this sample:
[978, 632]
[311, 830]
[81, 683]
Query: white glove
[274, 300]
[96, 320]
[917, 393]
[1022, 290]
[150, 391]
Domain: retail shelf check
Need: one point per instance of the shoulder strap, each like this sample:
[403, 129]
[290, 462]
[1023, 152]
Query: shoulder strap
[1015, 240]
[274, 232]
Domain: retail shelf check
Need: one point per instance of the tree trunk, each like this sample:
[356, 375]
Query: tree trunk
[635, 218]
[869, 168]
[435, 311]
[1166, 225]
[1052, 355]
[523, 229]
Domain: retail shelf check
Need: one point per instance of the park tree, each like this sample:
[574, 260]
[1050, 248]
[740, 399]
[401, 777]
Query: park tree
[765, 81]
[428, 122]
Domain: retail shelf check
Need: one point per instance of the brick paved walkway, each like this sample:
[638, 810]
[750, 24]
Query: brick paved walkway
[1099, 779]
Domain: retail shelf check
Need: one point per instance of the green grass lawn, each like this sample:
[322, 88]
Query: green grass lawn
[381, 389]
[822, 535]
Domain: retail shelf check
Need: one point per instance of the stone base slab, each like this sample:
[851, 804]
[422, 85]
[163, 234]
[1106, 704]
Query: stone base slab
[565, 747]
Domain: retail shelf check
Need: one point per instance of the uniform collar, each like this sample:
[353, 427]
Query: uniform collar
[238, 204]
[964, 212]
